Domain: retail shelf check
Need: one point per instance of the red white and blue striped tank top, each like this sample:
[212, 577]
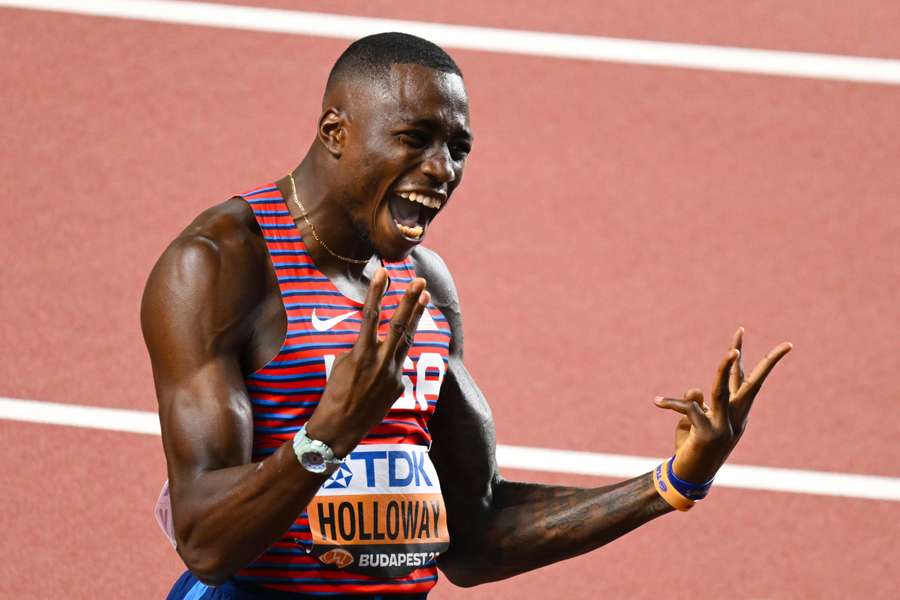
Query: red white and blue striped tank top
[377, 525]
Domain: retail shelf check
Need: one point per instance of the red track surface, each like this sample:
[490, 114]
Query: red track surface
[677, 205]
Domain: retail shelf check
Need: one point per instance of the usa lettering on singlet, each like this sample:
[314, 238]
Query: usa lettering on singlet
[378, 524]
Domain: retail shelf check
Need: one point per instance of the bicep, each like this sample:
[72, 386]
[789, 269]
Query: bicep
[464, 445]
[463, 440]
[206, 420]
[193, 345]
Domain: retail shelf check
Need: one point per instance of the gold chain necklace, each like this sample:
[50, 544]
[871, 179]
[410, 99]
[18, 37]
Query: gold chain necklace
[312, 229]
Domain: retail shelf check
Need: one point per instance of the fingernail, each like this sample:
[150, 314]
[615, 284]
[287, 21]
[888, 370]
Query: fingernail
[658, 399]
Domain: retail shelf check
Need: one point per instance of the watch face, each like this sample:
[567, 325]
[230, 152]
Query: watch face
[313, 461]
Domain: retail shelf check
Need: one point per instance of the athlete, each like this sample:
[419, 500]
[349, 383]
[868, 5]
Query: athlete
[322, 433]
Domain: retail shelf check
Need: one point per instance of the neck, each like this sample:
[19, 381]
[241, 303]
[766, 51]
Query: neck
[329, 221]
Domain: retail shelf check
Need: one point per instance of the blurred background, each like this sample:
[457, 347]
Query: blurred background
[624, 209]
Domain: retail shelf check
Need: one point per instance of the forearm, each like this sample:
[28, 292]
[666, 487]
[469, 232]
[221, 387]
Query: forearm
[225, 518]
[511, 493]
[549, 525]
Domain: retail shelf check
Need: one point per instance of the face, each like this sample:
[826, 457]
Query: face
[407, 142]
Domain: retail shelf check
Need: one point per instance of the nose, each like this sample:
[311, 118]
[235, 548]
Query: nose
[439, 166]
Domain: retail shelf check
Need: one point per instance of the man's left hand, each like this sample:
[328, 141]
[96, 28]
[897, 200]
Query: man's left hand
[706, 435]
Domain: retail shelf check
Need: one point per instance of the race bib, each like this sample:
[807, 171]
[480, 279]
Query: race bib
[381, 513]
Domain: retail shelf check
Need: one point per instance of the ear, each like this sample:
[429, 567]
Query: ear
[332, 131]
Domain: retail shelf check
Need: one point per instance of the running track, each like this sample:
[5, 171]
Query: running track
[616, 223]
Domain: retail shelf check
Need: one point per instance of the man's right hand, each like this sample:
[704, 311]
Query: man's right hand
[366, 381]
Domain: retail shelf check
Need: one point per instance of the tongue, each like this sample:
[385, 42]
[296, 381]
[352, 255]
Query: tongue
[404, 211]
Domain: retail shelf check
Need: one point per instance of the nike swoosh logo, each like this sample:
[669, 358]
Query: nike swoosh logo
[326, 324]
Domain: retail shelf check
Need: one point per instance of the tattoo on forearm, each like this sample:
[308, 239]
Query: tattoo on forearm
[533, 525]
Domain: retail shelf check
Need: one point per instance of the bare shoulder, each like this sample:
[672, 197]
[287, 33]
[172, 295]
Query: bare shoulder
[430, 266]
[208, 281]
[230, 226]
[433, 269]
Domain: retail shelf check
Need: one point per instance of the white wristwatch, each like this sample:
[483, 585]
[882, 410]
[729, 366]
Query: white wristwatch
[315, 456]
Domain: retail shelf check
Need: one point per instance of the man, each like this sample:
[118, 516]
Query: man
[290, 328]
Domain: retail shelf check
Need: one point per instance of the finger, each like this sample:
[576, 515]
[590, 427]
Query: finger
[400, 321]
[695, 395]
[738, 339]
[763, 368]
[736, 375]
[411, 327]
[720, 395]
[692, 396]
[679, 405]
[371, 312]
[691, 409]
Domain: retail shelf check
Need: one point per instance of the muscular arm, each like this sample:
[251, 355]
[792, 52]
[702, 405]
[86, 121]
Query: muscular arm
[195, 318]
[500, 528]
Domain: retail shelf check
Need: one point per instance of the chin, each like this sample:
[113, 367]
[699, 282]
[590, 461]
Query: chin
[391, 253]
[389, 241]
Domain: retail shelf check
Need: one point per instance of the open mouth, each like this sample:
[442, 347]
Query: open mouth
[412, 212]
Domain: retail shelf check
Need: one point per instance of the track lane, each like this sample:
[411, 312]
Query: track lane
[83, 501]
[99, 97]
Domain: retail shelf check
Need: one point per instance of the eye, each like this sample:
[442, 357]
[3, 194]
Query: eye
[414, 139]
[460, 150]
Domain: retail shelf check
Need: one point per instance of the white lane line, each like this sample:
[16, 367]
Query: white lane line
[512, 457]
[75, 415]
[750, 477]
[536, 43]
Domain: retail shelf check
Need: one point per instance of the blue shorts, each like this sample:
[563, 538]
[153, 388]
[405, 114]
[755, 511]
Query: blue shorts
[189, 587]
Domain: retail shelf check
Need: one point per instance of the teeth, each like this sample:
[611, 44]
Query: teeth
[421, 199]
[410, 232]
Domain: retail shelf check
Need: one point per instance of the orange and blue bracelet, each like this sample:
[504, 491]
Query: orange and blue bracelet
[678, 493]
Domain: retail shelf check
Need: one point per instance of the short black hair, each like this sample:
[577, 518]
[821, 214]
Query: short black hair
[373, 55]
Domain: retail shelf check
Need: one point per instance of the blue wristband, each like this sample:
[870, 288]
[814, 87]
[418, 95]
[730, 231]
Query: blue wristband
[693, 491]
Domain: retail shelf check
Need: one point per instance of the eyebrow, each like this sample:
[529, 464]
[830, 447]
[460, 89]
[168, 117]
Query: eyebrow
[432, 123]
